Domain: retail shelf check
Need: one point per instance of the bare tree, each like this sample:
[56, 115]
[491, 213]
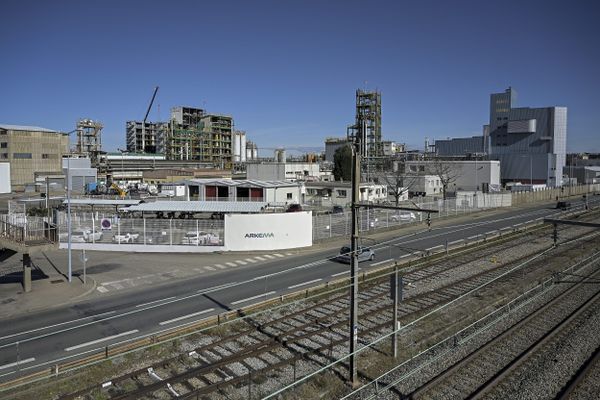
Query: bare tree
[396, 180]
[446, 171]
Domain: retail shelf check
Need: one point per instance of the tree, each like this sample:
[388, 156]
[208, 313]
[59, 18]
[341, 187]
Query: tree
[396, 180]
[446, 171]
[342, 163]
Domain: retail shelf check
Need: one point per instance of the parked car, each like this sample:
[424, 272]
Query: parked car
[563, 205]
[200, 238]
[93, 236]
[294, 208]
[405, 216]
[364, 254]
[125, 238]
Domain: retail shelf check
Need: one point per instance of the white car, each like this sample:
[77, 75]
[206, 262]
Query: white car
[197, 238]
[125, 238]
[405, 216]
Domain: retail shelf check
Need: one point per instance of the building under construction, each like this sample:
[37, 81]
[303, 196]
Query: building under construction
[89, 138]
[146, 137]
[199, 136]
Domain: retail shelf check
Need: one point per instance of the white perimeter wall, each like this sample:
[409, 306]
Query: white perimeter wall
[268, 231]
[5, 178]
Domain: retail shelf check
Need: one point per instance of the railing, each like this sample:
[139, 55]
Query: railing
[27, 230]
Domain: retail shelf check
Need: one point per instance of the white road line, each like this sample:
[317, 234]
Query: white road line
[457, 241]
[253, 298]
[220, 266]
[155, 301]
[231, 264]
[27, 360]
[381, 262]
[102, 289]
[278, 255]
[490, 232]
[518, 224]
[304, 283]
[186, 316]
[269, 256]
[434, 247]
[210, 268]
[250, 260]
[505, 228]
[405, 255]
[473, 237]
[101, 340]
[260, 258]
[289, 254]
[241, 262]
[341, 273]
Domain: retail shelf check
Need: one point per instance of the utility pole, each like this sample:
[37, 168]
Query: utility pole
[356, 157]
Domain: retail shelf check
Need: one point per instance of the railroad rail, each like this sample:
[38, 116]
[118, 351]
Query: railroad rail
[313, 334]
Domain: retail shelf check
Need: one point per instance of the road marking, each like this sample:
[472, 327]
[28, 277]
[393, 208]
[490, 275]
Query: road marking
[289, 254]
[278, 255]
[269, 256]
[231, 264]
[341, 273]
[28, 360]
[186, 316]
[518, 224]
[434, 247]
[220, 266]
[260, 258]
[250, 260]
[405, 255]
[381, 262]
[473, 237]
[456, 241]
[304, 283]
[240, 262]
[210, 268]
[102, 289]
[155, 301]
[101, 340]
[253, 297]
[490, 232]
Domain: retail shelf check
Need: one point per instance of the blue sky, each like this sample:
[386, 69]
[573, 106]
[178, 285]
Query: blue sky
[287, 71]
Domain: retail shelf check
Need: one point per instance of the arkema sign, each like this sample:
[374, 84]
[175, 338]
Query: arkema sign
[268, 231]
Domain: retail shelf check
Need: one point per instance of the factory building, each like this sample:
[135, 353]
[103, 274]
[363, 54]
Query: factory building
[530, 143]
[332, 144]
[31, 149]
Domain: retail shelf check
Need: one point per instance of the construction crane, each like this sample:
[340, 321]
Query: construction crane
[145, 118]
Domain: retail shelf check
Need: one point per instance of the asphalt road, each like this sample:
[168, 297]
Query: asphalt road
[44, 338]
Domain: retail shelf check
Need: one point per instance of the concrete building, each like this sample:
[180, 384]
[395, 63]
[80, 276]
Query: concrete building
[470, 175]
[78, 173]
[274, 192]
[422, 185]
[284, 171]
[30, 149]
[530, 143]
[583, 173]
[390, 148]
[339, 193]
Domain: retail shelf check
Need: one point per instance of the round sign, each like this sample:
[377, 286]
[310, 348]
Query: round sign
[106, 225]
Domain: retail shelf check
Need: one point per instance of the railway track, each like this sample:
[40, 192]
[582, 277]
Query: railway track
[280, 346]
[497, 368]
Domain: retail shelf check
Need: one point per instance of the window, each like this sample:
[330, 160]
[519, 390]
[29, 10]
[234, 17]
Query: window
[4, 155]
[421, 168]
[22, 155]
[289, 196]
[3, 145]
[49, 156]
[341, 193]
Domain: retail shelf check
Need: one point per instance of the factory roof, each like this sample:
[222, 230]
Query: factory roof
[103, 202]
[240, 182]
[201, 206]
[26, 128]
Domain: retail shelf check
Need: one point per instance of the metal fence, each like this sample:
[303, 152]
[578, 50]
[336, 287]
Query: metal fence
[106, 228]
[23, 229]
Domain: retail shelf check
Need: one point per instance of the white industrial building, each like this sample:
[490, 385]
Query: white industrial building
[470, 174]
[79, 172]
[340, 193]
[286, 171]
[279, 192]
